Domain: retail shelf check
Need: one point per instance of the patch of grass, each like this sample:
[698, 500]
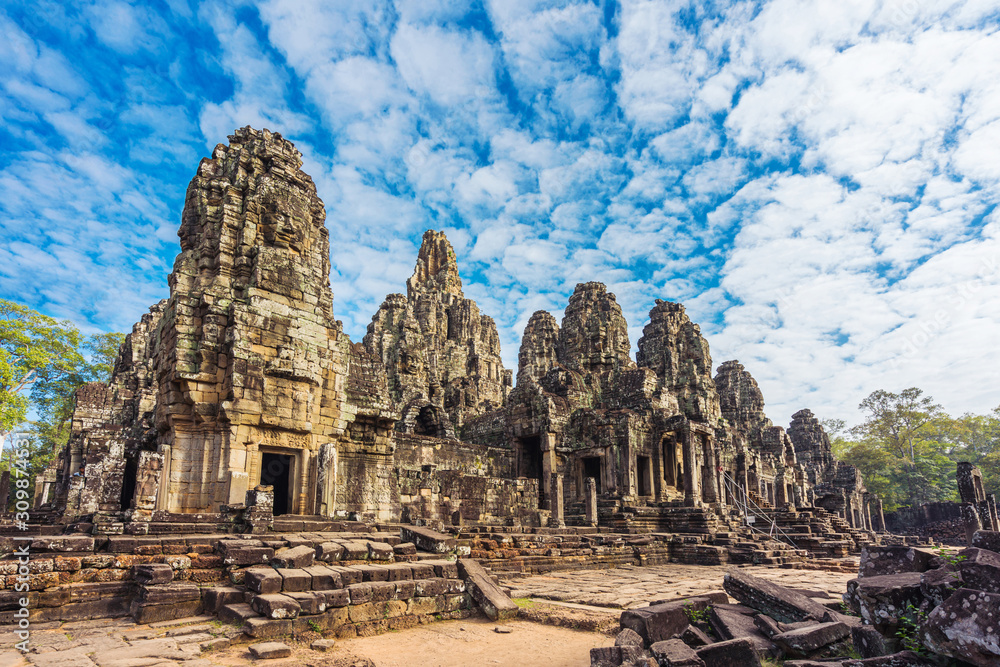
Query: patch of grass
[524, 603]
[769, 662]
[315, 627]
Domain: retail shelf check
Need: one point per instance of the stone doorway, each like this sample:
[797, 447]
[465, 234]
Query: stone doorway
[129, 476]
[644, 472]
[592, 468]
[529, 462]
[276, 471]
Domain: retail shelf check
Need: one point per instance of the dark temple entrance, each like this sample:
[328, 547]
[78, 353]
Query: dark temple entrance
[592, 468]
[530, 463]
[128, 483]
[275, 470]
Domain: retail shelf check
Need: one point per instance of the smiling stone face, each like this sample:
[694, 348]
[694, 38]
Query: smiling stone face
[287, 222]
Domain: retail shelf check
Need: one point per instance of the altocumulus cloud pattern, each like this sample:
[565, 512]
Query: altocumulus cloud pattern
[815, 180]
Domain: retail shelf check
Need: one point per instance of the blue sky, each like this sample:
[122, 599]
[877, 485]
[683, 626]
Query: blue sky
[816, 181]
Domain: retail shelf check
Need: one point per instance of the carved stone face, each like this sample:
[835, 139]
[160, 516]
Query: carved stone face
[284, 225]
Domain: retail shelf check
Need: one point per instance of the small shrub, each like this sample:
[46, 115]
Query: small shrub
[696, 616]
[909, 630]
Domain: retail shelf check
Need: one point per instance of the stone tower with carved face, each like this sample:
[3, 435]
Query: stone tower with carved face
[253, 370]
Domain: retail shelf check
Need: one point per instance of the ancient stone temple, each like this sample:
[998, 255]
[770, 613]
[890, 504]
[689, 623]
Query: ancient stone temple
[240, 399]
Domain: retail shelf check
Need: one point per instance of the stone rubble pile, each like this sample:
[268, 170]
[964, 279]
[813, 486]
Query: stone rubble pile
[908, 606]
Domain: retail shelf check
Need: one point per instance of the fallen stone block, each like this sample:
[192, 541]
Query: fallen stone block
[987, 539]
[496, 604]
[766, 624]
[938, 585]
[880, 560]
[883, 600]
[732, 653]
[869, 642]
[778, 602]
[657, 623]
[323, 645]
[298, 557]
[675, 653]
[606, 656]
[729, 622]
[628, 637]
[965, 626]
[695, 637]
[980, 570]
[270, 650]
[275, 606]
[805, 641]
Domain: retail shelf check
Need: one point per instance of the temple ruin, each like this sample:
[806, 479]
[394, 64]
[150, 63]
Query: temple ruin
[242, 427]
[243, 378]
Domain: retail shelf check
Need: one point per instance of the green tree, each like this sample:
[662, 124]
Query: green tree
[973, 437]
[906, 427]
[33, 348]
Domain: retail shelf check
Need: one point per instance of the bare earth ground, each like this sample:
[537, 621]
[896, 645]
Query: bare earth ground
[563, 616]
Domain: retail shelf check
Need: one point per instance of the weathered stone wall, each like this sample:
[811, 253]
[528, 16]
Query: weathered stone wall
[457, 482]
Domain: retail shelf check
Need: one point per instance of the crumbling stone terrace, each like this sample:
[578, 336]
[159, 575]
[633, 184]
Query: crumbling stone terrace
[241, 421]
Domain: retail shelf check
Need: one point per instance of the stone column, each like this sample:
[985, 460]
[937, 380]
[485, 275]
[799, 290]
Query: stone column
[710, 471]
[327, 479]
[983, 507]
[878, 518]
[780, 495]
[548, 466]
[556, 502]
[691, 485]
[970, 517]
[991, 500]
[591, 501]
[163, 493]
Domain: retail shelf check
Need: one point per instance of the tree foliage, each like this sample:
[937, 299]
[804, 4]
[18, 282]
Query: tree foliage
[907, 447]
[33, 348]
[42, 363]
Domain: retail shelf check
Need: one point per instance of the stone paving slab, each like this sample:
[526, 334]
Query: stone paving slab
[629, 587]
